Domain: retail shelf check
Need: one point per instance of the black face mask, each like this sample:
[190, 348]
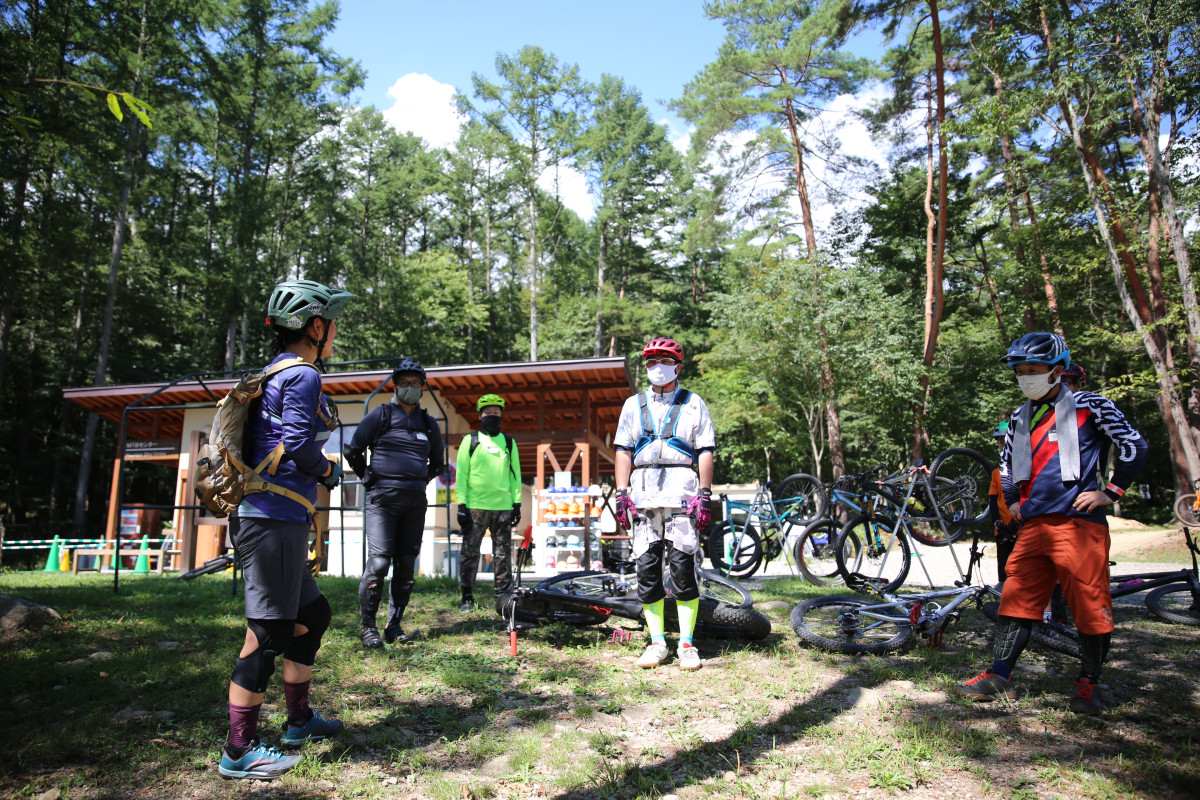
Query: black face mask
[490, 425]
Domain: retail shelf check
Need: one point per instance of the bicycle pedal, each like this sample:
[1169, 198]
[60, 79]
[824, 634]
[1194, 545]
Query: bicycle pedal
[621, 636]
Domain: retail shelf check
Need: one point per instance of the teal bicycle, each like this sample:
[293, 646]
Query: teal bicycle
[754, 534]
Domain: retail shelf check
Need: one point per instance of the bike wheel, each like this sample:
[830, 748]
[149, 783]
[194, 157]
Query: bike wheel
[720, 621]
[836, 624]
[1175, 602]
[875, 548]
[586, 583]
[1054, 635]
[924, 525]
[813, 553]
[735, 551]
[801, 499]
[723, 590]
[959, 481]
[1185, 511]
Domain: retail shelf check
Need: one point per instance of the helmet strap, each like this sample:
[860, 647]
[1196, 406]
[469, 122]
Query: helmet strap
[319, 361]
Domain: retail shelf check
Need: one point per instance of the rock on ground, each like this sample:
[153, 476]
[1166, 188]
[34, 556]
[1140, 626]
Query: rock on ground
[16, 614]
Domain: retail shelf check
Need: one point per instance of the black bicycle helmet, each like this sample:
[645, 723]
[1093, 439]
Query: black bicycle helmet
[1039, 347]
[408, 366]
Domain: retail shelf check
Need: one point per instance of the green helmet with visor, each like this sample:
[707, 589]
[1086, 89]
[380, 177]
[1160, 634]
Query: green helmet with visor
[294, 303]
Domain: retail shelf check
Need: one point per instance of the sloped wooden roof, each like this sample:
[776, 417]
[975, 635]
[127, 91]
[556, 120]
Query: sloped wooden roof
[547, 401]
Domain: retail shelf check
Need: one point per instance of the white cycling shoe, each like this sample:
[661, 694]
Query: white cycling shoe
[689, 658]
[656, 655]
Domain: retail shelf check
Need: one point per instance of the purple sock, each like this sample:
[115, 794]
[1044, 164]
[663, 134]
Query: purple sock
[243, 725]
[297, 702]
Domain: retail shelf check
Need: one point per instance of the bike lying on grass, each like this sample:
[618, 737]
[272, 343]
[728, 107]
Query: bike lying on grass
[591, 597]
[884, 622]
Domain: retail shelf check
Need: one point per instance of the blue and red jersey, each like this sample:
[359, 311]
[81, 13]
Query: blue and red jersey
[1099, 422]
[287, 411]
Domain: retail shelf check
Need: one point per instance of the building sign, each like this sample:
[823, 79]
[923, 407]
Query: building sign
[445, 483]
[145, 448]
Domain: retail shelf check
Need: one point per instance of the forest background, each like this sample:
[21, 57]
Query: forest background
[162, 164]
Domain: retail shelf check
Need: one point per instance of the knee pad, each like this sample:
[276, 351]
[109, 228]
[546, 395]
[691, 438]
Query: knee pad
[683, 573]
[253, 672]
[377, 568]
[315, 616]
[1012, 635]
[1093, 652]
[650, 573]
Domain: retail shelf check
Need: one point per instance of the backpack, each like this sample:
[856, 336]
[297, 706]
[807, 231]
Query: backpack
[222, 478]
[508, 443]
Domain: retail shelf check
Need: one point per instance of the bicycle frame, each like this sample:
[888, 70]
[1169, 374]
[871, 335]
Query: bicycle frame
[1124, 585]
[754, 510]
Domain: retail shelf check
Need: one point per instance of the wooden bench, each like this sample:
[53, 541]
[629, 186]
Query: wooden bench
[102, 553]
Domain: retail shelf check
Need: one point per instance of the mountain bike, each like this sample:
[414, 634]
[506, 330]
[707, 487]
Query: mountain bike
[1187, 507]
[883, 622]
[813, 549]
[933, 506]
[591, 597]
[735, 547]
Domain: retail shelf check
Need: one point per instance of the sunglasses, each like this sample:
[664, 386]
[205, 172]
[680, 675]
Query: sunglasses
[651, 362]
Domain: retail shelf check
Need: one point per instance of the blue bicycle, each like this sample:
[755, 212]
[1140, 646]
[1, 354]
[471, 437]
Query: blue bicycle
[755, 533]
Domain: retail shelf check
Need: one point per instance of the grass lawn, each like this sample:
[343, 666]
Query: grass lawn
[126, 698]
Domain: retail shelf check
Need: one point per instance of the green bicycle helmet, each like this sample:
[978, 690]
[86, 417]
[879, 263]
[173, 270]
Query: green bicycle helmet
[489, 400]
[1000, 430]
[294, 303]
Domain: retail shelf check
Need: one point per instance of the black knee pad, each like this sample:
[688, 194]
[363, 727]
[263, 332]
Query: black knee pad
[1093, 652]
[683, 573]
[650, 574]
[315, 616]
[377, 568]
[1012, 634]
[253, 672]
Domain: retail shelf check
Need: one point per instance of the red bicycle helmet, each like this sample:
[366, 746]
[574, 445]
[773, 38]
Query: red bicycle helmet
[1075, 372]
[664, 347]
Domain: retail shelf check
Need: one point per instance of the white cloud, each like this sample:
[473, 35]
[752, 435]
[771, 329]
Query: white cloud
[572, 189]
[425, 107]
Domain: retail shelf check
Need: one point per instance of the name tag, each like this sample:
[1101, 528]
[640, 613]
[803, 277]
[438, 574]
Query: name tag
[1052, 436]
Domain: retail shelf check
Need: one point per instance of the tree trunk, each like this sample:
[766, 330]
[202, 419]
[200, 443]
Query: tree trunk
[533, 276]
[120, 231]
[1167, 383]
[935, 234]
[600, 291]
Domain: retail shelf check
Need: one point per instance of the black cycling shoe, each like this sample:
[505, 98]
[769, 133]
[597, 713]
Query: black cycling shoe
[370, 638]
[395, 633]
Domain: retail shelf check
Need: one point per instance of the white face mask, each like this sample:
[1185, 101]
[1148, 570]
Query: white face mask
[661, 374]
[1036, 387]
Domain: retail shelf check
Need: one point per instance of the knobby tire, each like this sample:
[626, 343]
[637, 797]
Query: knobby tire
[833, 624]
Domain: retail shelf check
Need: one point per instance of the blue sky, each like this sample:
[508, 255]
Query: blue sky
[655, 45]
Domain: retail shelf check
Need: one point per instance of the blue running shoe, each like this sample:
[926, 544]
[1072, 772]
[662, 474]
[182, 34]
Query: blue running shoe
[314, 730]
[260, 762]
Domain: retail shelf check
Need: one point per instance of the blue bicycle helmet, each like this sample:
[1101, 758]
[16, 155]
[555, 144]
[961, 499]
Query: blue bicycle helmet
[1039, 347]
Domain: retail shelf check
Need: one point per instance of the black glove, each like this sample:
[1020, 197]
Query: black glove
[334, 478]
[516, 515]
[464, 518]
[1007, 531]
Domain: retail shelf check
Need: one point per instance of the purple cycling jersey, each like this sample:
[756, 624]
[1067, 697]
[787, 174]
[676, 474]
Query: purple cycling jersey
[287, 411]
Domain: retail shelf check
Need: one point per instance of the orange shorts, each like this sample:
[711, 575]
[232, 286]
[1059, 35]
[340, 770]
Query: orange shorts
[1067, 550]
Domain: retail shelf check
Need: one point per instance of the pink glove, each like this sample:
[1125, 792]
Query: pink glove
[626, 510]
[699, 508]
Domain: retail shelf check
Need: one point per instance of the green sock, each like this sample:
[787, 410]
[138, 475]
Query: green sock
[656, 621]
[688, 611]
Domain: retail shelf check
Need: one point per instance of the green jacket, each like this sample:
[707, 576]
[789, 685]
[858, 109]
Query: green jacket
[485, 480]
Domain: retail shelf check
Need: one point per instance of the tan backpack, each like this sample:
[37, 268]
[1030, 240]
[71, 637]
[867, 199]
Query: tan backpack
[222, 477]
